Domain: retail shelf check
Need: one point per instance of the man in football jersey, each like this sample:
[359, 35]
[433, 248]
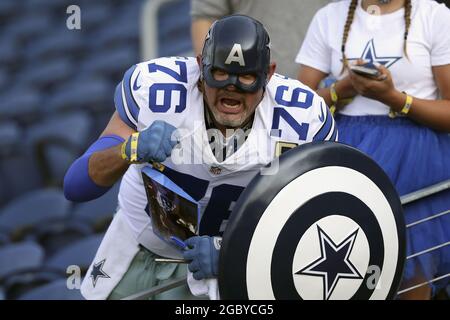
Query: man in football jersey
[165, 111]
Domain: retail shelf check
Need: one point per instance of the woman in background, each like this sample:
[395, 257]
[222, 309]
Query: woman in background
[401, 117]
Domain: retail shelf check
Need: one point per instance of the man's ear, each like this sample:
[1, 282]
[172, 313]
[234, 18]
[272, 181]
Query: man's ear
[272, 67]
[200, 80]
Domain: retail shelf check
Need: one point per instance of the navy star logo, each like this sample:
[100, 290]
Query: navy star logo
[97, 272]
[370, 55]
[333, 263]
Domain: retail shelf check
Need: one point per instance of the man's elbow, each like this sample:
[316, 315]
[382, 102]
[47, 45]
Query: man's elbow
[78, 186]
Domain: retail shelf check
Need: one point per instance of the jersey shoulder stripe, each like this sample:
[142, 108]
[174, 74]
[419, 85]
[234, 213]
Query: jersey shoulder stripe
[327, 130]
[124, 100]
[130, 100]
[124, 114]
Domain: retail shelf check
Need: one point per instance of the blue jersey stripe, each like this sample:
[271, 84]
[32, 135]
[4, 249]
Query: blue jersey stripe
[118, 101]
[326, 127]
[131, 102]
[334, 135]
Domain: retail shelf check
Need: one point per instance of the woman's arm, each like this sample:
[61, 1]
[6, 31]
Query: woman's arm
[431, 113]
[312, 77]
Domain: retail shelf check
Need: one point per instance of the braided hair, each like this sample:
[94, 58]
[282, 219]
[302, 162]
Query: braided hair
[349, 21]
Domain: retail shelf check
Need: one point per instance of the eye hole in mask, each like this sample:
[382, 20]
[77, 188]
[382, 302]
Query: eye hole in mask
[245, 79]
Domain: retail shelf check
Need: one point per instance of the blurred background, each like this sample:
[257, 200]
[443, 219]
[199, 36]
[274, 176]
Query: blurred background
[56, 96]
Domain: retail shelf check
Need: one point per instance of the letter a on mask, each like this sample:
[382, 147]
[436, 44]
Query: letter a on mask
[236, 55]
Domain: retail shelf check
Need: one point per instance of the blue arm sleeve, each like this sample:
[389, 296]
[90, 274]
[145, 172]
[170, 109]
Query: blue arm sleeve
[78, 186]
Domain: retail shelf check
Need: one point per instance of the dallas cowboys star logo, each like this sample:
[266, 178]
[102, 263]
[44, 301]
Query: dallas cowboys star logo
[333, 263]
[97, 272]
[370, 54]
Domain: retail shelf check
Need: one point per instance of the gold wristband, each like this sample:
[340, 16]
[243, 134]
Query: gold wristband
[405, 109]
[407, 105]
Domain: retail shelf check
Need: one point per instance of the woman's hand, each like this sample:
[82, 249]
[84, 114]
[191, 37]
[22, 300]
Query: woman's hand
[379, 88]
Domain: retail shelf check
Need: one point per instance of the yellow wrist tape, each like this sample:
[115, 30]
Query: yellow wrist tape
[133, 151]
[133, 148]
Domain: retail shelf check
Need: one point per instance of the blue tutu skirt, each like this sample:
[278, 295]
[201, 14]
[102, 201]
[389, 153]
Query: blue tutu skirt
[414, 157]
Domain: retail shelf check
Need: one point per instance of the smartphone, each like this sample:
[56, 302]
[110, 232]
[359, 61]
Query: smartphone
[367, 70]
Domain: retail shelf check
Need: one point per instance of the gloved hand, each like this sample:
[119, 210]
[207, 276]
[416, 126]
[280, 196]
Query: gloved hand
[204, 253]
[151, 144]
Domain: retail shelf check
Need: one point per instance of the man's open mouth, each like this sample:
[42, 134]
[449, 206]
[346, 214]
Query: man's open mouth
[230, 105]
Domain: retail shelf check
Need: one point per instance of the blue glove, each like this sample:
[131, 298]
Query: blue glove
[152, 144]
[204, 253]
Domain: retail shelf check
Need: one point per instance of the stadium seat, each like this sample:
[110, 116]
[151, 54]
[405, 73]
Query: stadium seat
[89, 93]
[21, 104]
[47, 4]
[174, 24]
[98, 14]
[4, 75]
[59, 234]
[63, 43]
[44, 75]
[20, 257]
[79, 253]
[12, 185]
[112, 63]
[56, 290]
[4, 238]
[58, 141]
[9, 53]
[24, 213]
[11, 134]
[70, 129]
[8, 8]
[122, 31]
[98, 213]
[29, 26]
[21, 269]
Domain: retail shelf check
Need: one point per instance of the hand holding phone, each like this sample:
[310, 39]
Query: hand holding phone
[366, 70]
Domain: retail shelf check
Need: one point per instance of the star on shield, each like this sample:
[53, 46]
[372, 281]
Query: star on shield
[97, 272]
[334, 263]
[370, 54]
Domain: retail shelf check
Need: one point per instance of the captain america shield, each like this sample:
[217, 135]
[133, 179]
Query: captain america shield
[328, 225]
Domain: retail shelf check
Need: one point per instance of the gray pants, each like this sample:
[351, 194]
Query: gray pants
[144, 273]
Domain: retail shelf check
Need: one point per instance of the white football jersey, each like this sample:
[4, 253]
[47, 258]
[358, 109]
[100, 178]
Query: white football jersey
[167, 89]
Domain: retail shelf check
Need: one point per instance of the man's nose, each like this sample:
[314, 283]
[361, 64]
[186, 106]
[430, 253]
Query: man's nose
[231, 87]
